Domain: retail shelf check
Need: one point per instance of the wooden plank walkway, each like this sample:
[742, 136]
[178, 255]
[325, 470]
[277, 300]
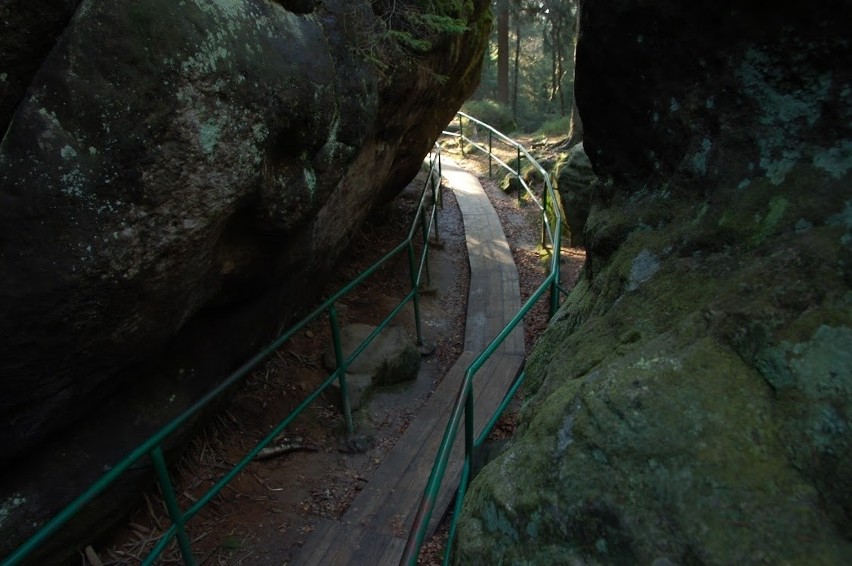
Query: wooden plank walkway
[374, 528]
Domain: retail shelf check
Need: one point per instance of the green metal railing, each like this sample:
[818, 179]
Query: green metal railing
[464, 403]
[426, 222]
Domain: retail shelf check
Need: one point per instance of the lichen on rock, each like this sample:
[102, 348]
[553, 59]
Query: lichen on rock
[177, 180]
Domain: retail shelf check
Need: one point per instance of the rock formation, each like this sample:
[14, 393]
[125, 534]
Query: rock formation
[176, 179]
[691, 402]
[575, 181]
[391, 357]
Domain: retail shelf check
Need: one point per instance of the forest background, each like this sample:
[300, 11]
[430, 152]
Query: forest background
[528, 73]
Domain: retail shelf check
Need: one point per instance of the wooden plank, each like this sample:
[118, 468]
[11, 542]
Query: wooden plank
[499, 249]
[393, 494]
[338, 544]
[384, 510]
[478, 301]
[402, 476]
[497, 377]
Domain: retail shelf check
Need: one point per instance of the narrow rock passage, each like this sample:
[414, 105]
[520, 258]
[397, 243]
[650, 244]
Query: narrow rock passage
[374, 528]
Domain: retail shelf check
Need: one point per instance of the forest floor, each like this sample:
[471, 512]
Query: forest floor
[264, 515]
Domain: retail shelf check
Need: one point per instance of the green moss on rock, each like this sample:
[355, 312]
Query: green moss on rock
[691, 402]
[665, 438]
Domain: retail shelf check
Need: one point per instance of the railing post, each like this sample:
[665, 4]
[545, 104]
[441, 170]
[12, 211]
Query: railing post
[490, 174]
[461, 135]
[338, 356]
[457, 508]
[554, 296]
[544, 215]
[424, 230]
[520, 185]
[415, 298]
[557, 279]
[172, 505]
[436, 190]
[468, 423]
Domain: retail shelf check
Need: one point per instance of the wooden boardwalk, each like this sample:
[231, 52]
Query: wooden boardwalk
[374, 528]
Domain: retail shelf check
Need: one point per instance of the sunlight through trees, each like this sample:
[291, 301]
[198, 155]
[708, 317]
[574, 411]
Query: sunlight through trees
[528, 75]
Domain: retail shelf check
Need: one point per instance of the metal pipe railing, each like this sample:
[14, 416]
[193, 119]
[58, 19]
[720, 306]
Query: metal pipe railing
[464, 401]
[153, 447]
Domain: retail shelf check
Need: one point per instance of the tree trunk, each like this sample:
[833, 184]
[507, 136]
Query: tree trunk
[575, 131]
[553, 83]
[517, 66]
[560, 74]
[503, 53]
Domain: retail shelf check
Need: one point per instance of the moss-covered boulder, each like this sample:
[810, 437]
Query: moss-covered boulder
[691, 402]
[390, 358]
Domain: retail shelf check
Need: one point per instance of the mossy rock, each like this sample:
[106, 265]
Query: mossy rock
[671, 427]
[691, 401]
[575, 179]
[390, 358]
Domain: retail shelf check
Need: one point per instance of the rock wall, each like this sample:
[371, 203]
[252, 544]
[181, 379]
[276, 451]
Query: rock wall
[575, 180]
[691, 402]
[176, 180]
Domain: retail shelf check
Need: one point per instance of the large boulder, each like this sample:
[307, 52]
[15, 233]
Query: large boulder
[390, 358]
[176, 180]
[28, 31]
[691, 402]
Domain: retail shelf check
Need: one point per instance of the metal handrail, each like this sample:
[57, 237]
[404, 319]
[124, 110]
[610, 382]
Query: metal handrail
[464, 402]
[153, 446]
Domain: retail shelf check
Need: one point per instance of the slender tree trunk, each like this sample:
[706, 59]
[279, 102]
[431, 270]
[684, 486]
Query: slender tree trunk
[503, 53]
[559, 72]
[553, 83]
[575, 132]
[517, 65]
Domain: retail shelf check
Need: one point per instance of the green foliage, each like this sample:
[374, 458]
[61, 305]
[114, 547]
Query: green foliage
[409, 41]
[537, 103]
[556, 127]
[491, 112]
[439, 24]
[416, 25]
